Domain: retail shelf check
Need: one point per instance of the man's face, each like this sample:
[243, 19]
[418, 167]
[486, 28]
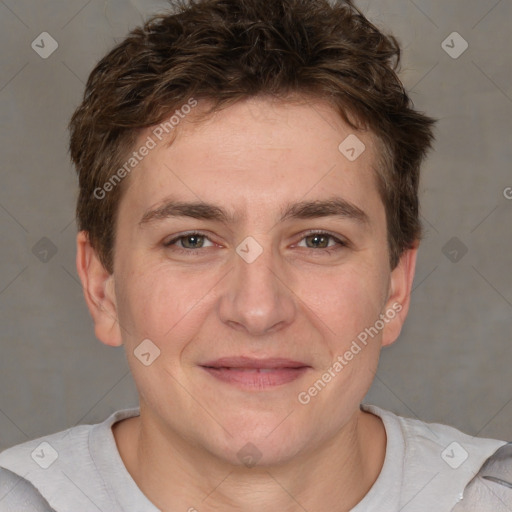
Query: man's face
[254, 284]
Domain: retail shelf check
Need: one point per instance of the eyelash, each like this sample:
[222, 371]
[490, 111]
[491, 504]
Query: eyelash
[329, 250]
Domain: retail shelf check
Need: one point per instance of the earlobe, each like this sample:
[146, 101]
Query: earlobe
[399, 297]
[99, 292]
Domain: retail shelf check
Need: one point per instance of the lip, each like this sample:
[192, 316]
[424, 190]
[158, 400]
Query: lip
[250, 362]
[255, 374]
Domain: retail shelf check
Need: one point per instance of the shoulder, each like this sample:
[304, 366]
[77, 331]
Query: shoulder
[491, 489]
[436, 461]
[18, 494]
[444, 443]
[32, 472]
[447, 444]
[62, 466]
[43, 452]
[66, 447]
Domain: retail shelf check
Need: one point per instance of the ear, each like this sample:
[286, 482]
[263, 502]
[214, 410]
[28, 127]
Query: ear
[399, 295]
[98, 287]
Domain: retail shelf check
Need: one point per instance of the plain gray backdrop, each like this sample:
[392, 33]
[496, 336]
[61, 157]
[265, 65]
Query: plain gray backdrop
[452, 361]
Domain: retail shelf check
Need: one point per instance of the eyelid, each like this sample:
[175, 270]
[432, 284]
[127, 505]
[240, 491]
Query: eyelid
[179, 236]
[340, 241]
[338, 238]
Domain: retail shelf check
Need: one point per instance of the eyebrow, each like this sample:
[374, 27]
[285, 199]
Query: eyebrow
[333, 207]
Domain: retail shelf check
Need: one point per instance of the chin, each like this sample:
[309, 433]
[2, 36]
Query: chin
[262, 445]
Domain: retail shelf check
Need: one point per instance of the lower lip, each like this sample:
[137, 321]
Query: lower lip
[252, 379]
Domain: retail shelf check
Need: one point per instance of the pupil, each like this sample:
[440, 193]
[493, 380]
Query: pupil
[193, 239]
[317, 239]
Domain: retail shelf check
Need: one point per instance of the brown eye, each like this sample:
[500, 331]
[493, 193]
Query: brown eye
[318, 241]
[192, 241]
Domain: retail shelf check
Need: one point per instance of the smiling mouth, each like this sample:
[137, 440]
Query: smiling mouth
[256, 378]
[257, 370]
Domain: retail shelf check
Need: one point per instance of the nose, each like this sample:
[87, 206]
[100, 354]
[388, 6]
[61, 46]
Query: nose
[258, 297]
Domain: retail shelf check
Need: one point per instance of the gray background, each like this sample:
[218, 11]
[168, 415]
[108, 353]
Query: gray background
[452, 362]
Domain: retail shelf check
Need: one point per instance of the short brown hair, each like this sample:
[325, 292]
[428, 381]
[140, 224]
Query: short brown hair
[228, 50]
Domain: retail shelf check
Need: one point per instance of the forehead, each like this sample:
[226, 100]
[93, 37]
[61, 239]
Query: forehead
[256, 153]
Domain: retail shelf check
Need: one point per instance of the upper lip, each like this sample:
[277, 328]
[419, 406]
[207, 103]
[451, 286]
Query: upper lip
[249, 362]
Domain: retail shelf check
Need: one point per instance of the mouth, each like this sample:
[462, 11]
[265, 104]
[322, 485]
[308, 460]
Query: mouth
[255, 374]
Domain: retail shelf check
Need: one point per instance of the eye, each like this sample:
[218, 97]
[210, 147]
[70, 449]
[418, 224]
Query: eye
[319, 241]
[322, 240]
[189, 242]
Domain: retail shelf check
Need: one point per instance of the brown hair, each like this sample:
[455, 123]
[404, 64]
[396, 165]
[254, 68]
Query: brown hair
[228, 50]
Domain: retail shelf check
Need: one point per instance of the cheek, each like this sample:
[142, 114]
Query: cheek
[156, 303]
[346, 300]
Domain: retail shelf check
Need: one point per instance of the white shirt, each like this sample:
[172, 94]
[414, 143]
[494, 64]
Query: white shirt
[426, 468]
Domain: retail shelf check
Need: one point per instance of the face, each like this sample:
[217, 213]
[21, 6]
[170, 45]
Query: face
[252, 241]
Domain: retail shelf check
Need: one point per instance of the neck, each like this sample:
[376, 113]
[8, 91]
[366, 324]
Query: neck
[176, 475]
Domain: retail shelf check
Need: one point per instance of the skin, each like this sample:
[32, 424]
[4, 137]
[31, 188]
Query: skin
[295, 300]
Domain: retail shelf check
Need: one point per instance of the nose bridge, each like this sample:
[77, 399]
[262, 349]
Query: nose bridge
[257, 298]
